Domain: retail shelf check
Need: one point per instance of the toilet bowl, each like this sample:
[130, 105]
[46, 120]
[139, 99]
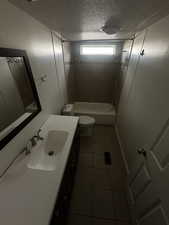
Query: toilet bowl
[86, 123]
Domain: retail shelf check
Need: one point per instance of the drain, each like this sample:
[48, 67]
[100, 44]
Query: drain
[51, 153]
[107, 158]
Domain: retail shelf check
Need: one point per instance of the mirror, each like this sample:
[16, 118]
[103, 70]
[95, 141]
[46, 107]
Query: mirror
[19, 102]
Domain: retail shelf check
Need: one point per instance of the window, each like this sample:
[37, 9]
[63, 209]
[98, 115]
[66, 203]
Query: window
[97, 50]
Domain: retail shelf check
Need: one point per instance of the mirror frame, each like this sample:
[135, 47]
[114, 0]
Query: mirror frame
[7, 52]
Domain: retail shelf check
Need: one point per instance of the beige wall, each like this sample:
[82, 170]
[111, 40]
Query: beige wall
[69, 71]
[119, 82]
[19, 30]
[94, 76]
[144, 108]
[60, 70]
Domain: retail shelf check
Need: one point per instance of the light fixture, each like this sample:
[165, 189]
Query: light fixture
[109, 29]
[111, 26]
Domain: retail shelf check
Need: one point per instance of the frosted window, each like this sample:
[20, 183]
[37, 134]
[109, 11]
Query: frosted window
[97, 50]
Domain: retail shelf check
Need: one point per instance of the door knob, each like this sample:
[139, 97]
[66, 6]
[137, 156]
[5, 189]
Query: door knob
[142, 151]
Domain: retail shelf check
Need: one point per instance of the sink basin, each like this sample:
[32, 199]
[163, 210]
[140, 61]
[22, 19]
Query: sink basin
[46, 157]
[55, 141]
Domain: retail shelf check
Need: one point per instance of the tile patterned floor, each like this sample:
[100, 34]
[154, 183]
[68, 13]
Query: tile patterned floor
[99, 196]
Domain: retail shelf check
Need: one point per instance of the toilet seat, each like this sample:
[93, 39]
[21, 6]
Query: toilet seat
[86, 120]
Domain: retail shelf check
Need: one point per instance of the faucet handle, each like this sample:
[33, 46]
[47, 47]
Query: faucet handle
[33, 141]
[28, 148]
[38, 135]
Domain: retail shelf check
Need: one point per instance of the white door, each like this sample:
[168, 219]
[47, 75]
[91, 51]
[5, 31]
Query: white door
[149, 183]
[147, 117]
[123, 108]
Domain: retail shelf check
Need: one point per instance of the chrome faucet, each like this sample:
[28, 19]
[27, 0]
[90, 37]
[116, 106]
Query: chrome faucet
[37, 136]
[32, 142]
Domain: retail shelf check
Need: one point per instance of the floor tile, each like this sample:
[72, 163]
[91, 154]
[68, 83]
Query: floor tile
[83, 178]
[99, 161]
[99, 190]
[121, 209]
[81, 202]
[79, 220]
[107, 222]
[86, 145]
[86, 160]
[102, 131]
[101, 179]
[118, 177]
[102, 222]
[102, 204]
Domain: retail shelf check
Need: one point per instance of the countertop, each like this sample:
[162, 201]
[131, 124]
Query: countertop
[27, 196]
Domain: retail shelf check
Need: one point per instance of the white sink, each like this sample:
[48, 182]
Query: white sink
[46, 157]
[55, 141]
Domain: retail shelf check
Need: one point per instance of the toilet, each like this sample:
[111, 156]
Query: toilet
[86, 123]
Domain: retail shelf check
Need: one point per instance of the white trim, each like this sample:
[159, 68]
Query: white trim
[122, 150]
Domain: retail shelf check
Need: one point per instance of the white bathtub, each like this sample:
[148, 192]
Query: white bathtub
[104, 113]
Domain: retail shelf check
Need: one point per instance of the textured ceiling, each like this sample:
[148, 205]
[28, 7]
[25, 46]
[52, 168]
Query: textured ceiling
[82, 19]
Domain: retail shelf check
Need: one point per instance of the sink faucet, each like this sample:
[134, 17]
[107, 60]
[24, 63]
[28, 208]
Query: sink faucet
[38, 135]
[36, 138]
[32, 142]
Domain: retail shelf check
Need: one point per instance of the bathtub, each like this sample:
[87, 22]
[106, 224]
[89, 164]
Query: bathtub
[104, 113]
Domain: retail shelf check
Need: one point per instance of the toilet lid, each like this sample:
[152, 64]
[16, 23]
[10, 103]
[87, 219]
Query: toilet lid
[85, 120]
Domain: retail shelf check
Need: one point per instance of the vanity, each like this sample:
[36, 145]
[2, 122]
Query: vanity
[37, 188]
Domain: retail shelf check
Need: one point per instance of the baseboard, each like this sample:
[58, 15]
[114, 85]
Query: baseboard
[122, 150]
